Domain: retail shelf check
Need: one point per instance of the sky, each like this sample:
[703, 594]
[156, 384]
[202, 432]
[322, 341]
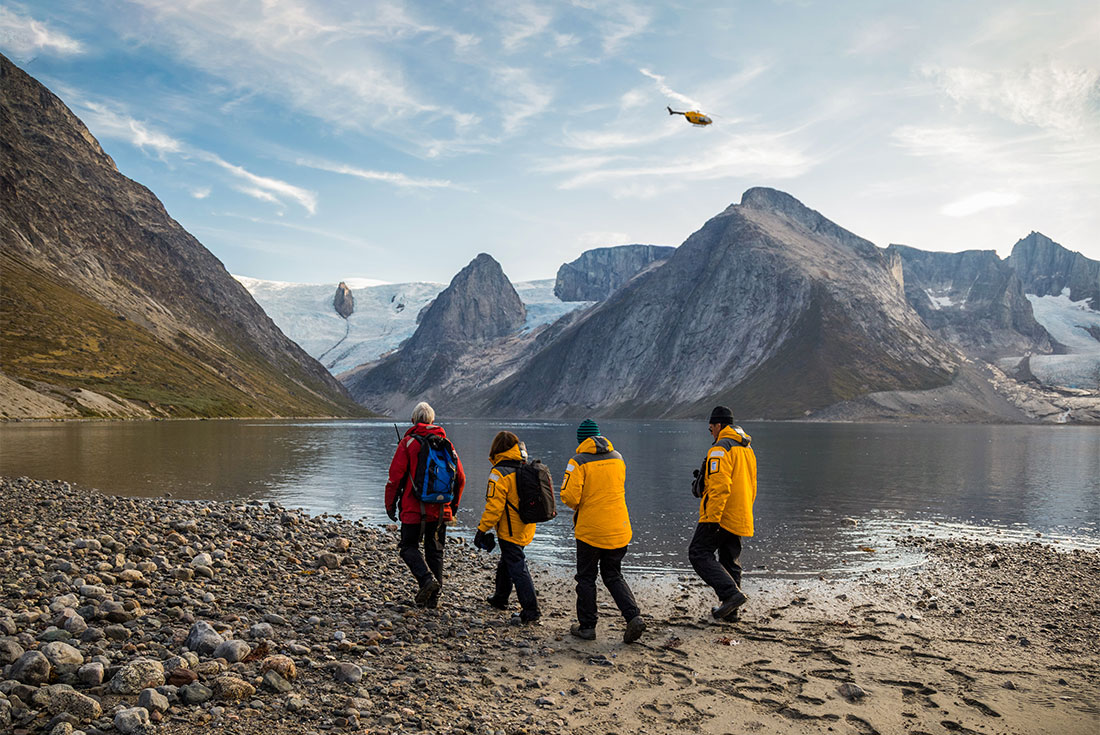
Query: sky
[320, 140]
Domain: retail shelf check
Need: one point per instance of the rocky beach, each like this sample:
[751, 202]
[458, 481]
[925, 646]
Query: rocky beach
[138, 615]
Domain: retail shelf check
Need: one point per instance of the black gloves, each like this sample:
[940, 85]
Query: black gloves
[392, 513]
[485, 540]
[698, 484]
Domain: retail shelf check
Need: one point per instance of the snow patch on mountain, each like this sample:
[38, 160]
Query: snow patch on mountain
[543, 307]
[384, 317]
[1069, 322]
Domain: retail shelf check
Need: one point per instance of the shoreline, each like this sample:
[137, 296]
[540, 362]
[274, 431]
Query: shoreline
[123, 582]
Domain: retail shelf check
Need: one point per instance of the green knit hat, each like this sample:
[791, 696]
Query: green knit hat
[587, 428]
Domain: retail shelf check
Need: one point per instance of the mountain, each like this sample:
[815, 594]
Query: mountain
[972, 299]
[478, 308]
[597, 273]
[385, 314]
[770, 308]
[109, 306]
[1046, 269]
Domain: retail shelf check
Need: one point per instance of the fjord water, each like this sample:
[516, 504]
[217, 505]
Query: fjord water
[825, 490]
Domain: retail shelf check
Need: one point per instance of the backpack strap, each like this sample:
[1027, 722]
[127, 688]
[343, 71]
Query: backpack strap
[514, 466]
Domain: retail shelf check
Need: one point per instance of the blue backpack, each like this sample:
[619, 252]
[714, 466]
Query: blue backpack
[436, 470]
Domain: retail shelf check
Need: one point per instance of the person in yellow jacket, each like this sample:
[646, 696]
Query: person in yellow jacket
[726, 485]
[594, 486]
[502, 513]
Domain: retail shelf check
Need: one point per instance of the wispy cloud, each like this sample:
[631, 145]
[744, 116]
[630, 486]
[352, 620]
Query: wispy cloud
[393, 178]
[201, 192]
[567, 164]
[621, 22]
[1051, 96]
[255, 193]
[668, 91]
[265, 187]
[110, 122]
[345, 68]
[328, 234]
[22, 36]
[599, 140]
[522, 20]
[527, 98]
[979, 203]
[762, 155]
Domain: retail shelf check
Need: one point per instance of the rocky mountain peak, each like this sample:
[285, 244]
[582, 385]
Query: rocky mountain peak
[1046, 269]
[479, 304]
[763, 197]
[972, 299]
[343, 301]
[600, 271]
[772, 204]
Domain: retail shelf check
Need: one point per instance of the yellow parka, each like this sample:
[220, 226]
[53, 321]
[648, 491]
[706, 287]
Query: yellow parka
[730, 488]
[594, 486]
[502, 501]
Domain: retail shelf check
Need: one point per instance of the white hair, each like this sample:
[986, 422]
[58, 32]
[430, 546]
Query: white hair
[423, 413]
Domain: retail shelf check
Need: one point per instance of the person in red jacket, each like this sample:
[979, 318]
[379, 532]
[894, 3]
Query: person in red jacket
[421, 522]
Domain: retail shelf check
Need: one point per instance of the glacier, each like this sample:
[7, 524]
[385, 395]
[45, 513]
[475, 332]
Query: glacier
[1068, 322]
[385, 314]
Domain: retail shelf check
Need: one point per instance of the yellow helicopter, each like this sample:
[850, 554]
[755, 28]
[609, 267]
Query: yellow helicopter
[697, 119]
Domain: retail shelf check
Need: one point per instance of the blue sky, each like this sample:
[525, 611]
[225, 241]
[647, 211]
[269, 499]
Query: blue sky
[320, 140]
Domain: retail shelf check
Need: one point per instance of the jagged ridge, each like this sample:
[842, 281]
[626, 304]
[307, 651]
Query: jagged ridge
[175, 333]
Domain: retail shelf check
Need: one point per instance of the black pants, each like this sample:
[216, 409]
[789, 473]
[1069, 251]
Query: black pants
[512, 572]
[610, 563]
[423, 566]
[724, 575]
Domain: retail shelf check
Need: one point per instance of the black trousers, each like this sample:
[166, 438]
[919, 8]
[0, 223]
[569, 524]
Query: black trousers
[609, 562]
[724, 575]
[423, 566]
[512, 572]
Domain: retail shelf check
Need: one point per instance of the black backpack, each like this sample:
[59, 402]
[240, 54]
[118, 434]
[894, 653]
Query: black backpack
[535, 488]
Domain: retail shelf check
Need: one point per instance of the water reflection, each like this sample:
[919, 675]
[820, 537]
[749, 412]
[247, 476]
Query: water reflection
[1018, 479]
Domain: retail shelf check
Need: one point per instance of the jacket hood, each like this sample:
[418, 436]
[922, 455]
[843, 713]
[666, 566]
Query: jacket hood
[425, 429]
[595, 445]
[734, 432]
[513, 454]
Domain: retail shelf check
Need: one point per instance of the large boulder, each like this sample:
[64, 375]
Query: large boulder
[31, 668]
[80, 706]
[139, 674]
[132, 720]
[62, 654]
[203, 639]
[232, 650]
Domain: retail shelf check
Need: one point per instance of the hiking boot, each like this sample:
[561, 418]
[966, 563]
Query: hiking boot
[634, 629]
[494, 602]
[522, 618]
[433, 603]
[585, 634]
[729, 607]
[428, 588]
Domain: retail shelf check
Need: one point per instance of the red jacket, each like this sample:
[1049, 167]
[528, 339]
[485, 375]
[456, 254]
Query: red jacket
[403, 467]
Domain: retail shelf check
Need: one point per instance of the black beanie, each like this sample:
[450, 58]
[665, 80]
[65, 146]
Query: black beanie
[721, 415]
